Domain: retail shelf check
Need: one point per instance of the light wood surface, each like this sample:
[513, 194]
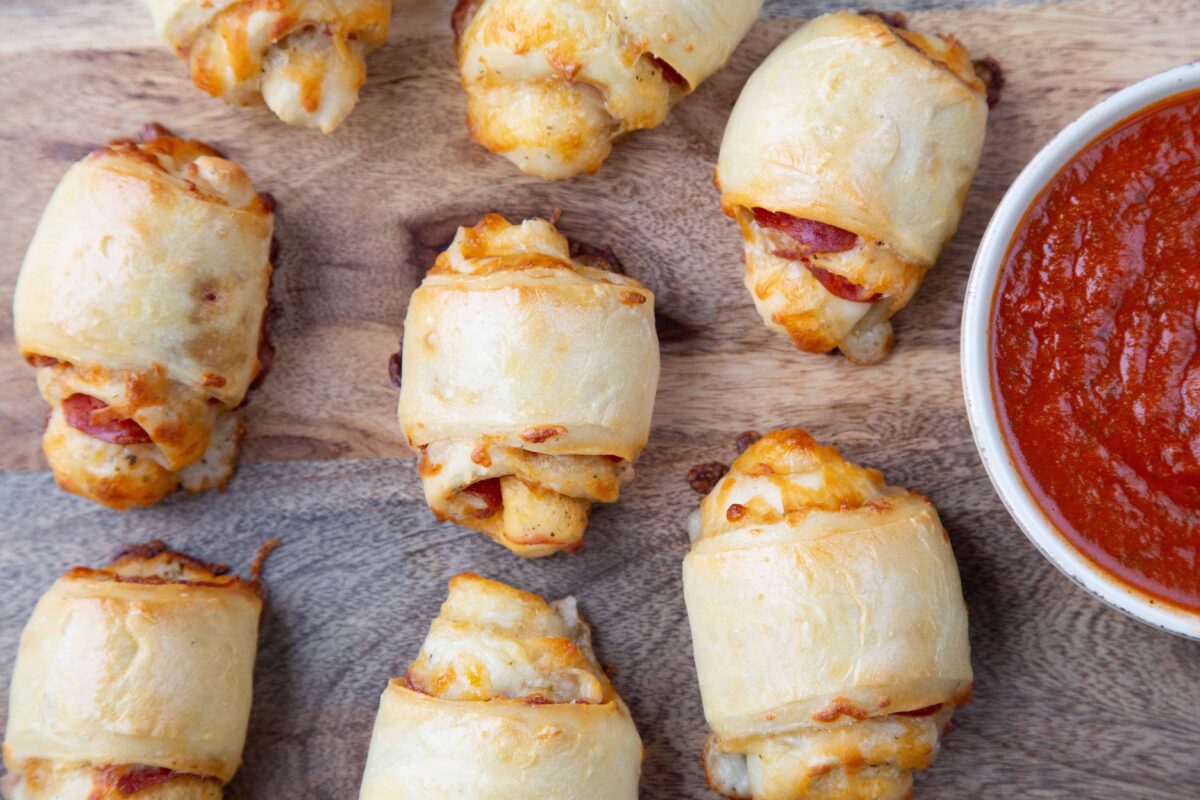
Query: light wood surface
[1072, 698]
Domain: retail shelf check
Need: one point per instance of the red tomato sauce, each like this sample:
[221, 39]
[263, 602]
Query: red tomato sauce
[1096, 350]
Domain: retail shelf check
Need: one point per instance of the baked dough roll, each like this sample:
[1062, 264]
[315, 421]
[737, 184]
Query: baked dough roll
[505, 701]
[134, 680]
[528, 381]
[829, 627]
[551, 83]
[141, 303]
[846, 163]
[305, 58]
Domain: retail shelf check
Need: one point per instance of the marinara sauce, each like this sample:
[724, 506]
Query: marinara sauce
[1096, 350]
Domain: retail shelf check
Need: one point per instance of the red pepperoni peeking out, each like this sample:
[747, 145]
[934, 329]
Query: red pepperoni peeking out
[138, 779]
[83, 413]
[125, 781]
[927, 711]
[816, 237]
[669, 74]
[838, 286]
[489, 491]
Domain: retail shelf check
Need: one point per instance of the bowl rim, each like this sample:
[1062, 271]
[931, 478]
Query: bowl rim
[975, 355]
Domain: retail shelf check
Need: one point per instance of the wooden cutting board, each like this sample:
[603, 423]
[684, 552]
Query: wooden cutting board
[1072, 698]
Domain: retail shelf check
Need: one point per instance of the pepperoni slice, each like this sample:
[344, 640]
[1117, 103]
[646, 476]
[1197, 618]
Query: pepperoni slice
[489, 490]
[82, 410]
[841, 287]
[817, 237]
[668, 72]
[927, 711]
[129, 780]
[893, 19]
[990, 72]
[139, 779]
[464, 12]
[266, 349]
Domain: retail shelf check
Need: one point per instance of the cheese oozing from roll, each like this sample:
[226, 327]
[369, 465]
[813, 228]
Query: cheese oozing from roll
[505, 701]
[306, 59]
[551, 83]
[828, 626]
[134, 680]
[846, 163]
[141, 303]
[528, 381]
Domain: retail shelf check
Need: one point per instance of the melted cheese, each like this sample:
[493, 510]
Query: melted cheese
[551, 83]
[304, 58]
[492, 641]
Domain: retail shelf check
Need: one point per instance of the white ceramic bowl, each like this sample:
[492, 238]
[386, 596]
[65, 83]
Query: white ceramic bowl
[976, 359]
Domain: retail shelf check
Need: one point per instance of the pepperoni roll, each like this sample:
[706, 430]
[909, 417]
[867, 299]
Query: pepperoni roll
[304, 58]
[141, 303]
[828, 625]
[134, 680]
[846, 163]
[527, 384]
[551, 83]
[505, 701]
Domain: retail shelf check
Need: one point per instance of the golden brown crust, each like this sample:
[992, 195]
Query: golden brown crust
[304, 58]
[507, 689]
[89, 719]
[911, 112]
[776, 460]
[45, 780]
[154, 563]
[528, 384]
[494, 643]
[118, 782]
[159, 558]
[799, 551]
[550, 85]
[175, 320]
[948, 53]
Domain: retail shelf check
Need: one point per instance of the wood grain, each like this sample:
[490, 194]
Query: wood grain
[1072, 697]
